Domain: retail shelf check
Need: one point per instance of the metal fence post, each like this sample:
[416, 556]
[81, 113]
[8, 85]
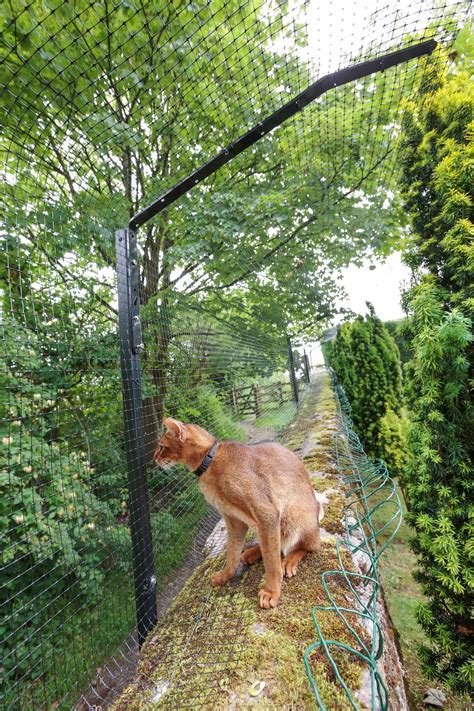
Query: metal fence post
[130, 346]
[293, 381]
[307, 369]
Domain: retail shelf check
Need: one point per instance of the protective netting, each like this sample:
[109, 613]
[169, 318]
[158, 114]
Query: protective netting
[372, 507]
[104, 107]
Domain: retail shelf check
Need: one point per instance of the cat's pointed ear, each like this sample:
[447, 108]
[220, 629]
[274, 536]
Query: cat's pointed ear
[176, 428]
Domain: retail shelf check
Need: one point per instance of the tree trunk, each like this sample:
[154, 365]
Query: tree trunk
[156, 363]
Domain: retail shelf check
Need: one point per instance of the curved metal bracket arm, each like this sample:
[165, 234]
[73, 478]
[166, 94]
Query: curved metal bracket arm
[321, 86]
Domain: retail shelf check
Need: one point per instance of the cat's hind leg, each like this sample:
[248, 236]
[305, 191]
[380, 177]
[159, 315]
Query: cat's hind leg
[309, 544]
[251, 555]
[290, 563]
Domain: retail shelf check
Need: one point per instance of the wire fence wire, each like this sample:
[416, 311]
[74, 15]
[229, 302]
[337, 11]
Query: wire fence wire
[372, 508]
[104, 107]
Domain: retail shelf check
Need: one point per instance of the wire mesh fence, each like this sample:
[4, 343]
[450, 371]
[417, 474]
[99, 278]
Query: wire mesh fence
[373, 507]
[105, 107]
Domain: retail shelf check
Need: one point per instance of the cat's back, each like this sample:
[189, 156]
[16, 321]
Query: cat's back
[269, 458]
[243, 479]
[274, 452]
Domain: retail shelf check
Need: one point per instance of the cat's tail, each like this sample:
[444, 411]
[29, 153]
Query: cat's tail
[321, 499]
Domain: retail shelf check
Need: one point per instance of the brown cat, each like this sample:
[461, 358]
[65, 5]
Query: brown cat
[264, 487]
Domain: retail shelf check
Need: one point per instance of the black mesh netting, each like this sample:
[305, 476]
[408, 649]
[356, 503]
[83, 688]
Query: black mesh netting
[105, 106]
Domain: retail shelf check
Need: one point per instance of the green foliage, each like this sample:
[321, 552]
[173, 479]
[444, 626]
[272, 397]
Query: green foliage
[438, 185]
[204, 407]
[392, 441]
[278, 418]
[54, 526]
[366, 360]
[87, 134]
[439, 483]
[327, 350]
[400, 333]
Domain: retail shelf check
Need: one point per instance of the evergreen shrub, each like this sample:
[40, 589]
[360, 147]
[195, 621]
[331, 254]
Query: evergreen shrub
[438, 182]
[366, 360]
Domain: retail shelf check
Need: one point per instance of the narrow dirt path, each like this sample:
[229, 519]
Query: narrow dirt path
[258, 434]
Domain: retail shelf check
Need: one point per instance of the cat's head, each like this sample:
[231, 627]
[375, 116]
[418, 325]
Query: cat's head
[181, 442]
[170, 446]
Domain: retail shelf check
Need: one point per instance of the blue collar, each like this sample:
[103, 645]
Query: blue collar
[207, 460]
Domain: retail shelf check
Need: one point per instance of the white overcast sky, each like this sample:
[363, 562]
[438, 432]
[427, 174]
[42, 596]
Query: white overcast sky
[381, 286]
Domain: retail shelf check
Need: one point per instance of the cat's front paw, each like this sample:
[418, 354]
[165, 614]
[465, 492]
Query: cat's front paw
[268, 598]
[220, 578]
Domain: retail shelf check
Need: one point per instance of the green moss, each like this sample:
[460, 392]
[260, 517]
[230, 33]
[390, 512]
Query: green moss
[294, 442]
[276, 657]
[322, 484]
[320, 462]
[184, 643]
[289, 631]
[325, 439]
[265, 645]
[334, 513]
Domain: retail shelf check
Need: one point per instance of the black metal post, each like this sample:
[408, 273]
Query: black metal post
[293, 381]
[307, 370]
[130, 346]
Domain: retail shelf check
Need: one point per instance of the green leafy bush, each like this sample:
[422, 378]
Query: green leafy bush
[327, 349]
[401, 335]
[438, 481]
[165, 530]
[52, 524]
[392, 441]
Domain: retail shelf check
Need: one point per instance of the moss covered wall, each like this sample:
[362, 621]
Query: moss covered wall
[216, 649]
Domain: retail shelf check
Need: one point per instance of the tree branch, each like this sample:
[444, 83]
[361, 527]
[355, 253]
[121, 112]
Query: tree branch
[296, 231]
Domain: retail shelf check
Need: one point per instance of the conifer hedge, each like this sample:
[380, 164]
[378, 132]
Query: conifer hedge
[366, 360]
[438, 181]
